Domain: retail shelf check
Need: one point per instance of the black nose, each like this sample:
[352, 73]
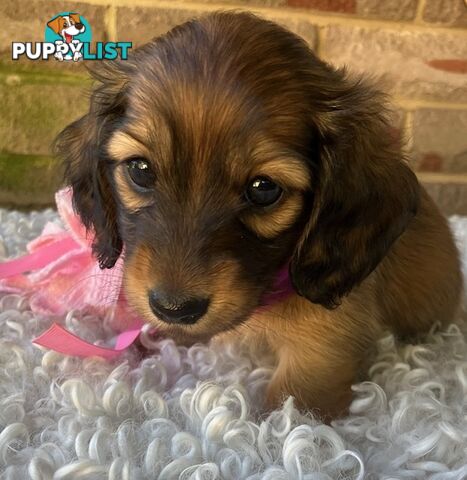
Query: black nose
[79, 26]
[173, 310]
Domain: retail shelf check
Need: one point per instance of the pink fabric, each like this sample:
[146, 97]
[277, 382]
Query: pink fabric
[63, 275]
[70, 278]
[41, 257]
[60, 274]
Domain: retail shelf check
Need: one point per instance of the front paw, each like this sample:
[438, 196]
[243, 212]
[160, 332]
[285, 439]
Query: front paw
[326, 405]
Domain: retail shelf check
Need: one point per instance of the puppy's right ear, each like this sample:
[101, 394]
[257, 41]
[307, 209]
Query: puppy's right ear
[81, 146]
[75, 17]
[365, 194]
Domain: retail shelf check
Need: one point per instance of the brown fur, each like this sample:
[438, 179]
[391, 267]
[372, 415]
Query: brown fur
[213, 104]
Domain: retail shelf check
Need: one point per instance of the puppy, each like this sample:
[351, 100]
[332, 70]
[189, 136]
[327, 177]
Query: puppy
[225, 150]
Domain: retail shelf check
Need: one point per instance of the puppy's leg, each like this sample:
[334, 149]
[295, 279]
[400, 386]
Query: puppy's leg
[318, 380]
[420, 279]
[320, 353]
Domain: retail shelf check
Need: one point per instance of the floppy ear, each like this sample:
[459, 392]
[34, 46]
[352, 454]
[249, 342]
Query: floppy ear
[75, 17]
[55, 24]
[365, 194]
[81, 145]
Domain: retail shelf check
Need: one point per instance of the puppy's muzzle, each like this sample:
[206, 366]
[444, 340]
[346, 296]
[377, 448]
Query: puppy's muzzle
[177, 310]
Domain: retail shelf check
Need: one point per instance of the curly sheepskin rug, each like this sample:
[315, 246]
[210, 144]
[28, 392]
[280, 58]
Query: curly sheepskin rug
[192, 413]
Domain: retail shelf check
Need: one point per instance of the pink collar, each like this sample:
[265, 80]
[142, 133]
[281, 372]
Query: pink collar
[59, 266]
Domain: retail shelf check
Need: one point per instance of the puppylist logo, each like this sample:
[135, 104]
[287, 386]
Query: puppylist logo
[68, 38]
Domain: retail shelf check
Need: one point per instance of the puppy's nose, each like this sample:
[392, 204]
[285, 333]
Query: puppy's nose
[173, 310]
[79, 26]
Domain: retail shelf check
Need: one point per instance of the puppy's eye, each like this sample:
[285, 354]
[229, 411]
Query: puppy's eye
[141, 173]
[262, 191]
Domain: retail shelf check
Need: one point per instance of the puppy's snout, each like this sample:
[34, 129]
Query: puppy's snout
[177, 310]
[79, 26]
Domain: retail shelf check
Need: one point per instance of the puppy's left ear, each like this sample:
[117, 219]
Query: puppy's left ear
[365, 193]
[81, 146]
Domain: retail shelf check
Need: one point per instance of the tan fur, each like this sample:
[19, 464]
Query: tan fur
[128, 196]
[268, 225]
[123, 146]
[286, 170]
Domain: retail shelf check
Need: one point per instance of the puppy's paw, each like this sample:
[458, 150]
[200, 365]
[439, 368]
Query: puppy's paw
[275, 396]
[324, 405]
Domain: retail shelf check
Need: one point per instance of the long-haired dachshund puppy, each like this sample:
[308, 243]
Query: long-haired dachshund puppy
[225, 150]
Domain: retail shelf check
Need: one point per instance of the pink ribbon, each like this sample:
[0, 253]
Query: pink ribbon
[61, 340]
[39, 259]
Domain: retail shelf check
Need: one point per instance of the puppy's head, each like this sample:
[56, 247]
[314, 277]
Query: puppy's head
[67, 25]
[219, 153]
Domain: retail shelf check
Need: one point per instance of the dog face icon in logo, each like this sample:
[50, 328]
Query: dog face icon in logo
[68, 31]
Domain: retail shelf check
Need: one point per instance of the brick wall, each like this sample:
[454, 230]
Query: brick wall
[417, 48]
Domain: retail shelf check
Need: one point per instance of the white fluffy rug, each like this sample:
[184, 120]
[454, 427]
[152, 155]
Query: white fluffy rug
[190, 413]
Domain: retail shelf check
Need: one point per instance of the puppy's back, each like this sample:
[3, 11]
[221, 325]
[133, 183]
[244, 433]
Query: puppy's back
[420, 281]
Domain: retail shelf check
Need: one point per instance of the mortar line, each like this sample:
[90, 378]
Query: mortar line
[429, 177]
[110, 22]
[434, 104]
[419, 13]
[319, 42]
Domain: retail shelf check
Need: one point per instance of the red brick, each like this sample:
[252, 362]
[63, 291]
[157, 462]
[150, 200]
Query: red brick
[341, 6]
[430, 162]
[449, 65]
[400, 59]
[396, 10]
[400, 10]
